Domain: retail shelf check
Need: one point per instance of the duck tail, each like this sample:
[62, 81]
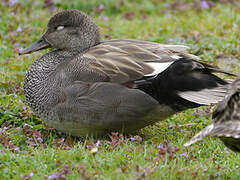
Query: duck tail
[200, 85]
[215, 69]
[186, 84]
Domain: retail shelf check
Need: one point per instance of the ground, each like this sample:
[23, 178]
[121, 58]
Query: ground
[29, 149]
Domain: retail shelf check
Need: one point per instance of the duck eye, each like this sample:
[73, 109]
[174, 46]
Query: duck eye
[60, 28]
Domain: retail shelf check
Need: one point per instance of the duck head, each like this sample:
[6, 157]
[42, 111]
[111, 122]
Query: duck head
[68, 30]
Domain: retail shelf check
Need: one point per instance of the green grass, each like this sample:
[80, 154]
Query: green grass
[209, 32]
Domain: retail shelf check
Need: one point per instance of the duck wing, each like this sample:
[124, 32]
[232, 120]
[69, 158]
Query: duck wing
[138, 63]
[129, 60]
[163, 51]
[229, 129]
[226, 119]
[135, 59]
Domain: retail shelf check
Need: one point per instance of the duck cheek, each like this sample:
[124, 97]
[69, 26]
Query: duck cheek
[58, 41]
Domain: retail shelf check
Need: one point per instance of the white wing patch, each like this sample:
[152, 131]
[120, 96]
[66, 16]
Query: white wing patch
[176, 57]
[236, 136]
[158, 67]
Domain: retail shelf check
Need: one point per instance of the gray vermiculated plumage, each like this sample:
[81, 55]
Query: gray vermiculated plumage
[86, 86]
[226, 120]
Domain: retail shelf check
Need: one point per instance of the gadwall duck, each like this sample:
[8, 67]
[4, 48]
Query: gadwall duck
[226, 120]
[87, 86]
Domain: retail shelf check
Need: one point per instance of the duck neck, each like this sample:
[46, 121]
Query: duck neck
[69, 53]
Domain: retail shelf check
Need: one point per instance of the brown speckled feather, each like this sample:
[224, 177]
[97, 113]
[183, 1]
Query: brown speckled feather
[226, 120]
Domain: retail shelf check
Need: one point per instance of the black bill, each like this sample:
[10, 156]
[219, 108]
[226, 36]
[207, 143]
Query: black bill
[40, 44]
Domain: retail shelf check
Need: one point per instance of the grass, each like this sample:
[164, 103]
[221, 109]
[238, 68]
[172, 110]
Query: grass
[31, 150]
